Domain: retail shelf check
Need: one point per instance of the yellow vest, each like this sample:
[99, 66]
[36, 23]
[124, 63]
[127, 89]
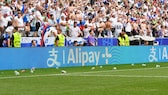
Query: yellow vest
[61, 41]
[121, 41]
[17, 39]
[127, 42]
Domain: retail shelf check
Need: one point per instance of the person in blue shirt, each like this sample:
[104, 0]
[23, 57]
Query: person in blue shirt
[6, 40]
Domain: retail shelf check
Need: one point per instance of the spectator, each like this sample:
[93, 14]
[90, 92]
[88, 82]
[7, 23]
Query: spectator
[101, 27]
[63, 25]
[86, 31]
[9, 28]
[91, 39]
[32, 21]
[7, 39]
[27, 29]
[75, 43]
[128, 27]
[118, 28]
[20, 24]
[75, 31]
[108, 28]
[33, 43]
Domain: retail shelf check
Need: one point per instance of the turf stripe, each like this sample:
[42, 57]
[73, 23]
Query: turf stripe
[92, 72]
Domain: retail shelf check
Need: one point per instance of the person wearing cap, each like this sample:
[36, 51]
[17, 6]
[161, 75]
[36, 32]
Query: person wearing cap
[16, 38]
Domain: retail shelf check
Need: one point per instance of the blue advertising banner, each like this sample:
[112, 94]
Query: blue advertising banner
[26, 41]
[22, 58]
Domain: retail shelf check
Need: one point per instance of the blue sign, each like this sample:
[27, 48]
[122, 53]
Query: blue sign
[24, 58]
[26, 41]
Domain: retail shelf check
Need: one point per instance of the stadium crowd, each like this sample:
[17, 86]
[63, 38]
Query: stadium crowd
[76, 18]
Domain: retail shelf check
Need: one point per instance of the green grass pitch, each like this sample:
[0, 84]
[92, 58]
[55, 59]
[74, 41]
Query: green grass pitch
[101, 80]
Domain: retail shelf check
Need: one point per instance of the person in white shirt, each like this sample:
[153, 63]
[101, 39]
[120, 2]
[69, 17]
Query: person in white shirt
[75, 31]
[118, 28]
[51, 20]
[128, 27]
[58, 11]
[33, 21]
[86, 31]
[20, 23]
[113, 19]
[90, 24]
[6, 10]
[2, 21]
[63, 24]
[9, 29]
[52, 11]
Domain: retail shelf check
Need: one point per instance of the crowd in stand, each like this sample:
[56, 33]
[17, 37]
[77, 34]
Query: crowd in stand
[107, 18]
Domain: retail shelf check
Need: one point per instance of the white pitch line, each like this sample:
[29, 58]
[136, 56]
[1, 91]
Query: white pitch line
[124, 76]
[92, 72]
[31, 76]
[119, 70]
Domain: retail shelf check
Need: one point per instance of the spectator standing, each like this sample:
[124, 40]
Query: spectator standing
[7, 35]
[108, 28]
[86, 31]
[32, 21]
[19, 23]
[63, 24]
[118, 28]
[27, 29]
[128, 27]
[91, 39]
[75, 31]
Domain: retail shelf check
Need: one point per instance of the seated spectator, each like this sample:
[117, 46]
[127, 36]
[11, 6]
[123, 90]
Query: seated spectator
[146, 43]
[75, 43]
[33, 43]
